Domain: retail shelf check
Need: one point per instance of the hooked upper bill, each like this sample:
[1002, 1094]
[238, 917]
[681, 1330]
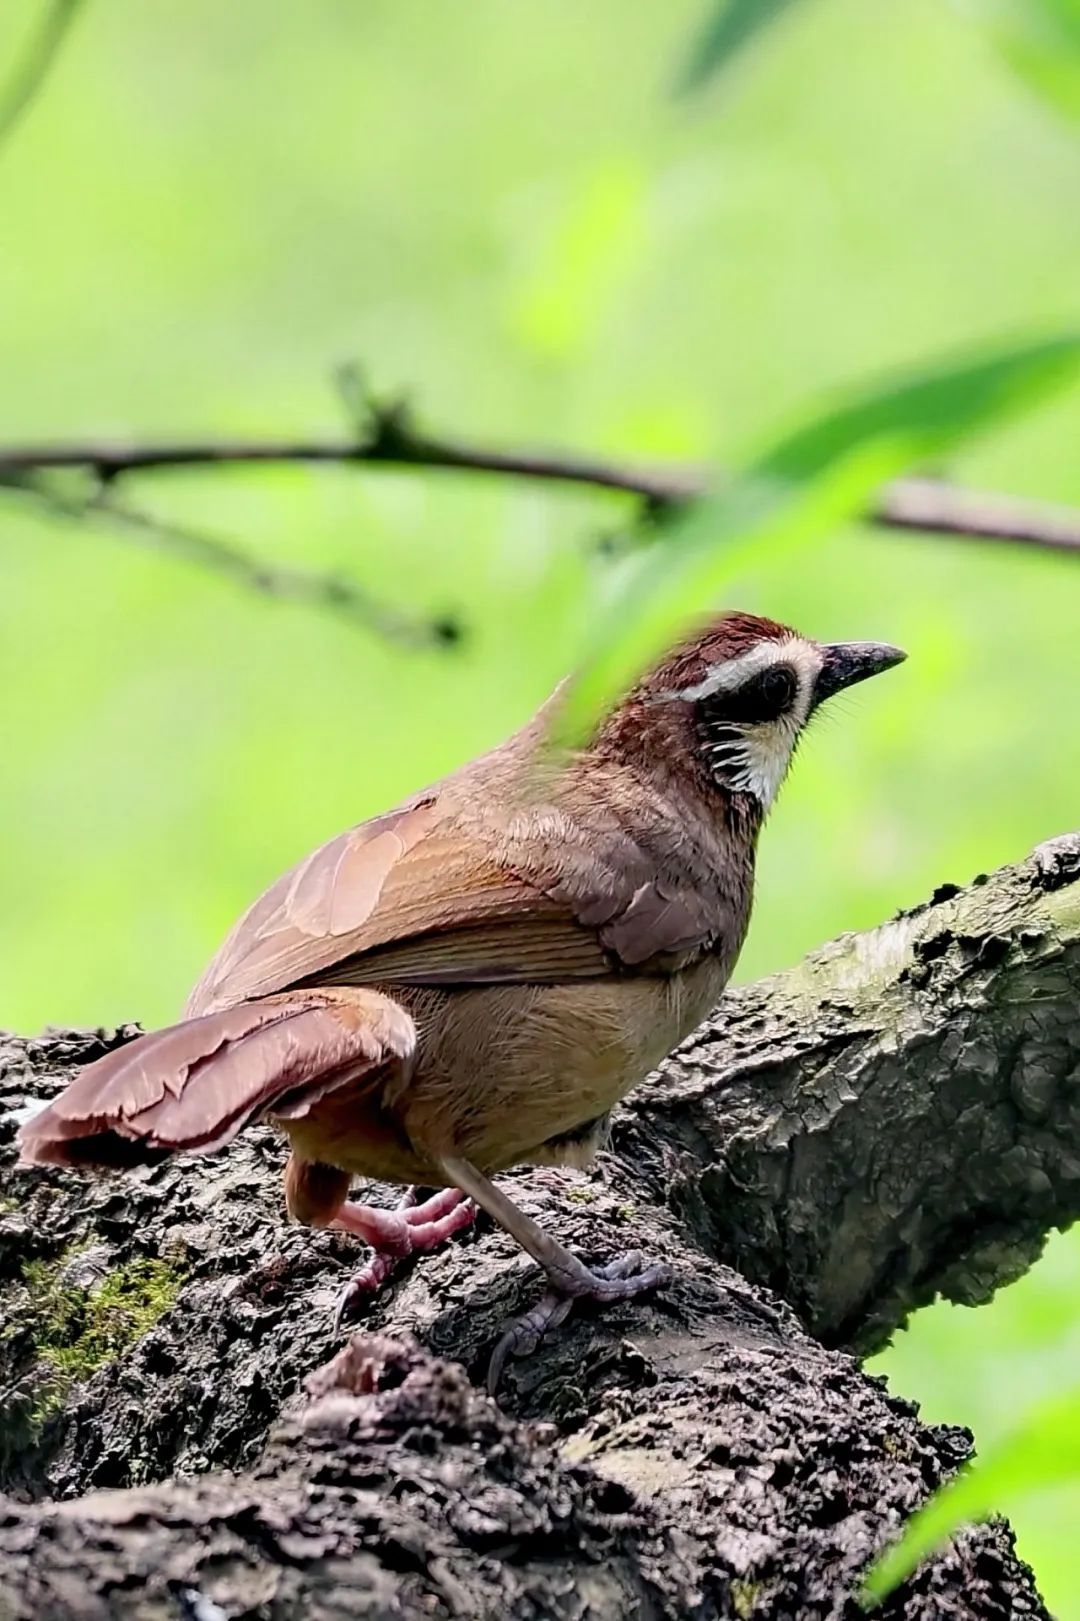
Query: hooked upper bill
[846, 663]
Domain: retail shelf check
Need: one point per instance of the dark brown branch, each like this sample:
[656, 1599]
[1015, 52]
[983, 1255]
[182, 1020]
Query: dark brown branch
[929, 506]
[392, 442]
[304, 586]
[752, 1485]
[914, 504]
[31, 74]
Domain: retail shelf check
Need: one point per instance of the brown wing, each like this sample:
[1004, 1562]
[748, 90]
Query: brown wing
[193, 1086]
[439, 893]
[413, 897]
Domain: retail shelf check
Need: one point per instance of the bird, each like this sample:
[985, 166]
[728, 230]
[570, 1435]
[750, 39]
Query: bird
[472, 980]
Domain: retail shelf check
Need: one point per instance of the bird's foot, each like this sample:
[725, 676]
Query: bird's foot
[394, 1234]
[619, 1280]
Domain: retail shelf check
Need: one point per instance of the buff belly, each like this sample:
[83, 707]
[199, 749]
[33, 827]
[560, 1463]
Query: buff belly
[501, 1070]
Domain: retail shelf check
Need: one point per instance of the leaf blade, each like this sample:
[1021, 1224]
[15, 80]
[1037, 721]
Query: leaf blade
[1040, 41]
[732, 26]
[812, 478]
[1044, 1451]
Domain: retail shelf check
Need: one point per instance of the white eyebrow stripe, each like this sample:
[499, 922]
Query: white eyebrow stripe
[733, 672]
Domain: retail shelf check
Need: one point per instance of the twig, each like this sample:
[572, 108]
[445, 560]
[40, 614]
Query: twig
[928, 505]
[393, 443]
[322, 590]
[914, 504]
[28, 80]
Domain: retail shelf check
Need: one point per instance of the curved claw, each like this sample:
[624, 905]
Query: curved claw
[525, 1334]
[620, 1279]
[370, 1277]
[395, 1234]
[344, 1300]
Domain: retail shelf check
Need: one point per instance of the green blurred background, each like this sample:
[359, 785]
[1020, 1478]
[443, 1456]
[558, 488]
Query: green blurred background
[502, 211]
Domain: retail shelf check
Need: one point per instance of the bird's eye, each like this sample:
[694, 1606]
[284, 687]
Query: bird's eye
[776, 688]
[762, 698]
[765, 697]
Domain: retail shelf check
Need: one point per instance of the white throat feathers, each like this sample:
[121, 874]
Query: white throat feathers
[749, 712]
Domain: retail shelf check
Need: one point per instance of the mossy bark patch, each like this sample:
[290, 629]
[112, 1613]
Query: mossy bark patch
[79, 1327]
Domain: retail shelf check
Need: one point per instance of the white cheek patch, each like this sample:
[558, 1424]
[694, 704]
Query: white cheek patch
[764, 754]
[753, 758]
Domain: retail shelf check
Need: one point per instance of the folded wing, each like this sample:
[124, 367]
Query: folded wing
[434, 895]
[194, 1085]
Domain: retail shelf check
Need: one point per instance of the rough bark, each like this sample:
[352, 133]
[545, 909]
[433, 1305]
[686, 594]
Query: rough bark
[893, 1118]
[896, 1118]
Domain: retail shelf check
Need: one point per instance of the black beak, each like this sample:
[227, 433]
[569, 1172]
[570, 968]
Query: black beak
[848, 662]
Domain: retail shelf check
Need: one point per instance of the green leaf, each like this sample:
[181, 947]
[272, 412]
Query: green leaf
[731, 25]
[1040, 39]
[1044, 1451]
[33, 72]
[931, 412]
[804, 485]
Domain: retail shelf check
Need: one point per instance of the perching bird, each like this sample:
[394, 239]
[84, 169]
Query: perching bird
[473, 980]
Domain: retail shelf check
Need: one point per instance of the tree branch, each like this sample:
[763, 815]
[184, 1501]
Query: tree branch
[386, 436]
[893, 1118]
[398, 1491]
[304, 586]
[389, 438]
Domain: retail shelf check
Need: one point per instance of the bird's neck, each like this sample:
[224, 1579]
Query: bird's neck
[692, 833]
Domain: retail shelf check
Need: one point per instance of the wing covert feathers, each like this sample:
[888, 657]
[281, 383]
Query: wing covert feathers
[194, 1085]
[456, 890]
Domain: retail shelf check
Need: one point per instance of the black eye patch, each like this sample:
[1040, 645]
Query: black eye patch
[763, 697]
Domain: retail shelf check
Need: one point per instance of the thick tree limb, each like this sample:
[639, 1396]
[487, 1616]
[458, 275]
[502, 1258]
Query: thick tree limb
[400, 1491]
[895, 1116]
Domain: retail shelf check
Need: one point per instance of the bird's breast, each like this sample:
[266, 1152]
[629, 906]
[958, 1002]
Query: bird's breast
[501, 1069]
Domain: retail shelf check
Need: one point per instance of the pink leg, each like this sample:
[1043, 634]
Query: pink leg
[394, 1234]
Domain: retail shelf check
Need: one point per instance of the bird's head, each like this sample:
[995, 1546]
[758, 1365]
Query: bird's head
[730, 703]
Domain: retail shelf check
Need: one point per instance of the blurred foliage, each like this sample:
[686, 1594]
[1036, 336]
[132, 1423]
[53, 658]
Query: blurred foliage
[208, 208]
[1042, 1453]
[19, 89]
[1041, 41]
[730, 25]
[805, 485]
[1009, 1369]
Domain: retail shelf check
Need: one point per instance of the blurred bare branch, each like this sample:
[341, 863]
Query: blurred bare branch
[391, 440]
[306, 586]
[32, 71]
[388, 437]
[928, 505]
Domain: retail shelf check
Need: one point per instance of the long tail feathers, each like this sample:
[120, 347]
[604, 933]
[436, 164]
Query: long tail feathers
[194, 1085]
